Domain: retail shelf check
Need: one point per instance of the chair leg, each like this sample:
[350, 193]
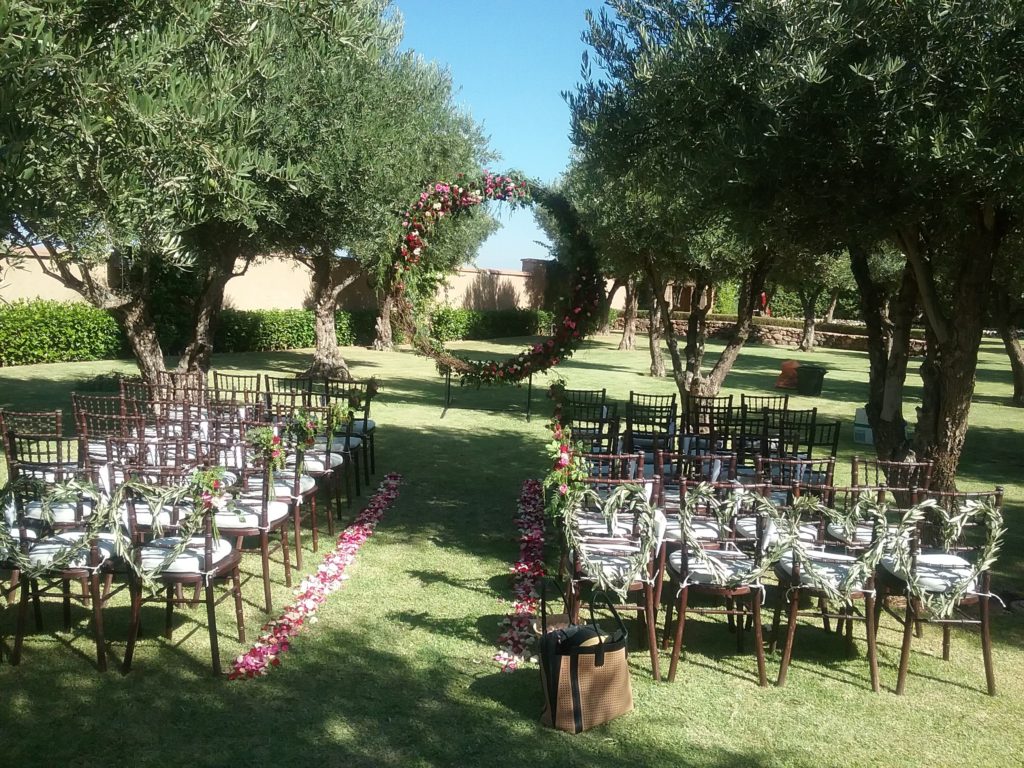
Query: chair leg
[847, 625]
[19, 631]
[297, 527]
[677, 645]
[879, 601]
[652, 630]
[870, 621]
[787, 650]
[236, 589]
[313, 522]
[268, 605]
[97, 620]
[366, 461]
[333, 500]
[65, 600]
[986, 646]
[135, 590]
[762, 675]
[779, 598]
[37, 605]
[211, 620]
[668, 622]
[741, 619]
[169, 613]
[908, 634]
[823, 610]
[285, 554]
[373, 453]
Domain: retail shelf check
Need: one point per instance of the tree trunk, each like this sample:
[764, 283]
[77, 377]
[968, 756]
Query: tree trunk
[654, 329]
[327, 359]
[209, 303]
[833, 301]
[808, 300]
[1016, 354]
[954, 330]
[678, 369]
[888, 326]
[385, 337]
[1004, 313]
[606, 309]
[697, 329]
[753, 283]
[140, 329]
[628, 340]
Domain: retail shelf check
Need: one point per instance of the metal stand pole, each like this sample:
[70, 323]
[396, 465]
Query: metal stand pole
[529, 396]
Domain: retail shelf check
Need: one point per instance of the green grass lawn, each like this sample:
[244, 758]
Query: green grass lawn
[398, 670]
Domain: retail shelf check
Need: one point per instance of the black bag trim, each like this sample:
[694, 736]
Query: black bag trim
[577, 702]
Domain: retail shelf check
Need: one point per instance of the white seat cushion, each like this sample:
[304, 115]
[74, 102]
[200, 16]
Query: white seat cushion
[337, 444]
[746, 527]
[248, 515]
[31, 534]
[595, 524]
[734, 564]
[318, 461]
[144, 515]
[830, 567]
[704, 528]
[45, 550]
[615, 562]
[282, 485]
[63, 512]
[362, 426]
[936, 572]
[191, 560]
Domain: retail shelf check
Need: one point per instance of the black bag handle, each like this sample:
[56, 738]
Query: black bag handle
[602, 596]
[544, 601]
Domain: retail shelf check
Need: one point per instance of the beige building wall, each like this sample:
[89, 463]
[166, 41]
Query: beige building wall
[25, 280]
[275, 283]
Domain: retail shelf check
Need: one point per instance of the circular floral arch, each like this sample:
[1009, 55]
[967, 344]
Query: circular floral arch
[442, 199]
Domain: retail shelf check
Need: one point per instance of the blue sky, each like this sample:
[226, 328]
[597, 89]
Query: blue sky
[510, 62]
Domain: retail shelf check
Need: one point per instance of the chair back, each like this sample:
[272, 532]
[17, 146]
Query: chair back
[708, 424]
[42, 423]
[615, 466]
[598, 435]
[650, 422]
[824, 439]
[288, 389]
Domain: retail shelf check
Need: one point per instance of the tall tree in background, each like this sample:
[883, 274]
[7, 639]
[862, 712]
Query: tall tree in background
[818, 125]
[368, 131]
[151, 147]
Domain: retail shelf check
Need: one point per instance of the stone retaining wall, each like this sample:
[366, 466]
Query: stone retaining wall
[779, 336]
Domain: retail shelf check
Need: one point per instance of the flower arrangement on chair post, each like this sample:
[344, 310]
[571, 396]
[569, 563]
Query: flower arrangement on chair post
[267, 447]
[338, 419]
[301, 429]
[210, 489]
[568, 470]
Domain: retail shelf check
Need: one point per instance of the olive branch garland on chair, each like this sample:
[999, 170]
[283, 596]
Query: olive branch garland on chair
[626, 498]
[105, 517]
[702, 495]
[942, 604]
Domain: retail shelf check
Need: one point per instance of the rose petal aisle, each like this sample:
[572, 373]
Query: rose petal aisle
[314, 590]
[527, 572]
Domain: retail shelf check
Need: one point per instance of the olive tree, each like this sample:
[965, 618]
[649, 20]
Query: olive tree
[815, 126]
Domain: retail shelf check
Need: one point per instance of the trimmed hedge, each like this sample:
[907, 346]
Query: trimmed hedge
[57, 332]
[62, 332]
[453, 324]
